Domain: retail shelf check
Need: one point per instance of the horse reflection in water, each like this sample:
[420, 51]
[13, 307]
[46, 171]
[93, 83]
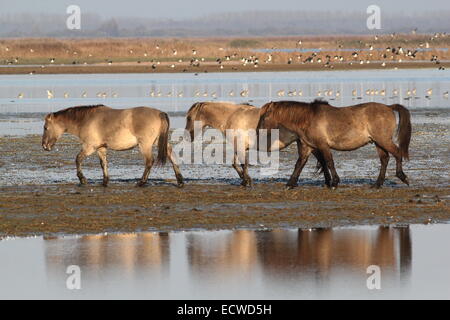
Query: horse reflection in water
[288, 253]
[232, 255]
[99, 253]
[226, 253]
[323, 250]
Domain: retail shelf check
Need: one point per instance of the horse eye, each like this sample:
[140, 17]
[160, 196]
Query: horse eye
[45, 128]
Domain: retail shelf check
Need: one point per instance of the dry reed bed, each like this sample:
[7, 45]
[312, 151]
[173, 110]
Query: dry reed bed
[134, 50]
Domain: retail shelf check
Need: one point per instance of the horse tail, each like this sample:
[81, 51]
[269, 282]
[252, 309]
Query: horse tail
[262, 113]
[404, 129]
[195, 106]
[163, 139]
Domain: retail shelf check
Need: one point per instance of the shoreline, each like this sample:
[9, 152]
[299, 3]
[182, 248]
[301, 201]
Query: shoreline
[210, 68]
[161, 207]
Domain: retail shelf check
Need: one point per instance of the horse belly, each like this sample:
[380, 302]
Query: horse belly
[350, 141]
[122, 140]
[280, 144]
[285, 139]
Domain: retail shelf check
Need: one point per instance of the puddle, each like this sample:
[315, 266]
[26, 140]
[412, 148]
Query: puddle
[239, 264]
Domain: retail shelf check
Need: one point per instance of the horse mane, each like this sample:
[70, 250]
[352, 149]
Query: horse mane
[298, 113]
[77, 113]
[318, 101]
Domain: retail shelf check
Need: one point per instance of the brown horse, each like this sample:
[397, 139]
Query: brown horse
[323, 127]
[241, 117]
[99, 128]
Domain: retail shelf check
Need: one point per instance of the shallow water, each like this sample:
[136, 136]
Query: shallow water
[239, 264]
[177, 92]
[292, 50]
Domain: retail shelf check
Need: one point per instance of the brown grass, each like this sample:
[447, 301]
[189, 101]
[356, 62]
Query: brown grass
[102, 50]
[150, 50]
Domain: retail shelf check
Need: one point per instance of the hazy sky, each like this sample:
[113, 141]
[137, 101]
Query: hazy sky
[195, 8]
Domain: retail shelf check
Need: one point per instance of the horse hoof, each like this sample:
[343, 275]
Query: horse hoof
[140, 184]
[246, 186]
[375, 186]
[290, 187]
[244, 183]
[180, 185]
[403, 178]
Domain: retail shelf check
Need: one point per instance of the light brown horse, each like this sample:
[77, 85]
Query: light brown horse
[215, 115]
[241, 117]
[100, 127]
[323, 127]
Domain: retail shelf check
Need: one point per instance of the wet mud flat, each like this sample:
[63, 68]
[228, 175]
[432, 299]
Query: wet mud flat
[39, 192]
[70, 209]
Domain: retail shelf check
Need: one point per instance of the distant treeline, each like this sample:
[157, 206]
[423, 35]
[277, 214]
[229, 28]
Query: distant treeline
[254, 23]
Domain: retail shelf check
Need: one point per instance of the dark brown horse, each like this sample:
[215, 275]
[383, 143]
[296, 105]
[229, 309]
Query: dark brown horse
[323, 127]
[100, 127]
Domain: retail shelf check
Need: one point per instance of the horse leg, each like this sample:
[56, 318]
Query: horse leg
[104, 163]
[176, 169]
[384, 159]
[304, 152]
[328, 156]
[237, 168]
[146, 151]
[246, 180]
[393, 149]
[84, 153]
[323, 164]
[399, 171]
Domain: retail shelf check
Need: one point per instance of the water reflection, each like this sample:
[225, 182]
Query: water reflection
[224, 262]
[98, 253]
[287, 253]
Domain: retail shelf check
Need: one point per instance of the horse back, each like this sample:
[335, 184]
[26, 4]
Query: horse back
[364, 113]
[244, 118]
[122, 124]
[346, 128]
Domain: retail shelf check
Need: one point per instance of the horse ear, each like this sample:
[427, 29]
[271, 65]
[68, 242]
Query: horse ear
[49, 116]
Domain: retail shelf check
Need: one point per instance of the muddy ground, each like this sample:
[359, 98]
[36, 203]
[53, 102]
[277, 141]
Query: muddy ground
[70, 209]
